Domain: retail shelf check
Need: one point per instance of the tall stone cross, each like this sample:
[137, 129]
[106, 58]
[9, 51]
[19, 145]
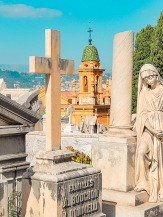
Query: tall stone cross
[70, 110]
[53, 67]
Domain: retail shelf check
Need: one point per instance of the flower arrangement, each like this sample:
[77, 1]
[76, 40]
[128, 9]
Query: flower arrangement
[80, 157]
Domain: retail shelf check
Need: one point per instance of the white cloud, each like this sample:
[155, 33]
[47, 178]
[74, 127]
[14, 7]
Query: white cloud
[23, 11]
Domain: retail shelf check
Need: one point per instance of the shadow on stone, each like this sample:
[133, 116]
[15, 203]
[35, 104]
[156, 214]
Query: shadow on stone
[108, 208]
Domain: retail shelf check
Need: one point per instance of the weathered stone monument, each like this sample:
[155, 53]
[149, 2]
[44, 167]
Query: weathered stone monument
[115, 154]
[15, 122]
[30, 100]
[149, 127]
[57, 186]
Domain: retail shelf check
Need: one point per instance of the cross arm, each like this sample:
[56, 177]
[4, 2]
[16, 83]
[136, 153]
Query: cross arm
[66, 67]
[40, 65]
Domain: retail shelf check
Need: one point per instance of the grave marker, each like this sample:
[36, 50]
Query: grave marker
[70, 110]
[52, 66]
[57, 186]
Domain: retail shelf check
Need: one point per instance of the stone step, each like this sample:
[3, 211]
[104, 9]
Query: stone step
[132, 198]
[13, 156]
[144, 210]
[4, 168]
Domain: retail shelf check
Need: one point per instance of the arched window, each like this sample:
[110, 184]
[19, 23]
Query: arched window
[96, 84]
[86, 83]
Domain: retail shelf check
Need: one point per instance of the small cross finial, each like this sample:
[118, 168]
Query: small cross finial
[90, 30]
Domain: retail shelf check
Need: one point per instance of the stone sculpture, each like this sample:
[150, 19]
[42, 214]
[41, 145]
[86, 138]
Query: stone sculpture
[30, 100]
[149, 127]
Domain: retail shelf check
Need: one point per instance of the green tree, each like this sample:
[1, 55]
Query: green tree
[157, 46]
[141, 56]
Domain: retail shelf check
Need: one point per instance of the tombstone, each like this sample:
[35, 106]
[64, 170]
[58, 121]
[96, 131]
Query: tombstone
[30, 100]
[91, 125]
[57, 186]
[70, 128]
[15, 122]
[115, 153]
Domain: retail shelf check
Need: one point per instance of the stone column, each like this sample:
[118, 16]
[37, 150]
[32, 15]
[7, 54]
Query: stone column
[121, 93]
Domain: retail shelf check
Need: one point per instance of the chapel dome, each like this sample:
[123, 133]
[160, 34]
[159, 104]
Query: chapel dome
[90, 54]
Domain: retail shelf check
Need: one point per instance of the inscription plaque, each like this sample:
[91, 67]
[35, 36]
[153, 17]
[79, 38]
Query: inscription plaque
[80, 197]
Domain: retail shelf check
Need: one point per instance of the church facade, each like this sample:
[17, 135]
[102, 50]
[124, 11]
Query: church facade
[91, 96]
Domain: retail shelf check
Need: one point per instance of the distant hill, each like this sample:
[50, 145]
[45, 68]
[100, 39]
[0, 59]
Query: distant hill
[18, 68]
[25, 80]
[29, 80]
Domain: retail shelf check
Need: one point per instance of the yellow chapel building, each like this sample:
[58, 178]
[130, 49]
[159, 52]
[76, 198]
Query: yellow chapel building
[91, 97]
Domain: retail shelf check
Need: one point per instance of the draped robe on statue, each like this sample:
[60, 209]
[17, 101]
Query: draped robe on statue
[149, 154]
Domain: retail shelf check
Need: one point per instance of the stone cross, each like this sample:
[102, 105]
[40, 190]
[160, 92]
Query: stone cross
[83, 113]
[53, 67]
[70, 110]
[64, 111]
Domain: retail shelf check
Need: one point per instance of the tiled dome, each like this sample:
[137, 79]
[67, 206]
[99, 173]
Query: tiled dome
[90, 54]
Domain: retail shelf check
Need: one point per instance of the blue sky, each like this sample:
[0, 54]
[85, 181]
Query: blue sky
[23, 24]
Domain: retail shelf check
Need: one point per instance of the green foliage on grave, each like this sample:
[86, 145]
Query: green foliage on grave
[148, 49]
[80, 157]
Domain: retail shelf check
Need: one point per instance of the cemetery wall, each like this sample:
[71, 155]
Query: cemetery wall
[35, 141]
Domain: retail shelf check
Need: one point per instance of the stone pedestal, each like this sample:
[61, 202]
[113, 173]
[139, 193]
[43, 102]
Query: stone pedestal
[69, 128]
[59, 187]
[116, 159]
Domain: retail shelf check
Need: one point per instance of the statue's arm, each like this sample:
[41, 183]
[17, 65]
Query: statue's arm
[149, 127]
[158, 133]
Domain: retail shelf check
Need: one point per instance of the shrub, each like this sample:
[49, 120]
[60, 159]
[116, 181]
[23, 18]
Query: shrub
[80, 157]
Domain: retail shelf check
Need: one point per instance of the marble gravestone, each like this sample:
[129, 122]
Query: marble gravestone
[56, 186]
[15, 122]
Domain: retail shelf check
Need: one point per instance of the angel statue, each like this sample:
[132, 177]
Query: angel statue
[149, 127]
